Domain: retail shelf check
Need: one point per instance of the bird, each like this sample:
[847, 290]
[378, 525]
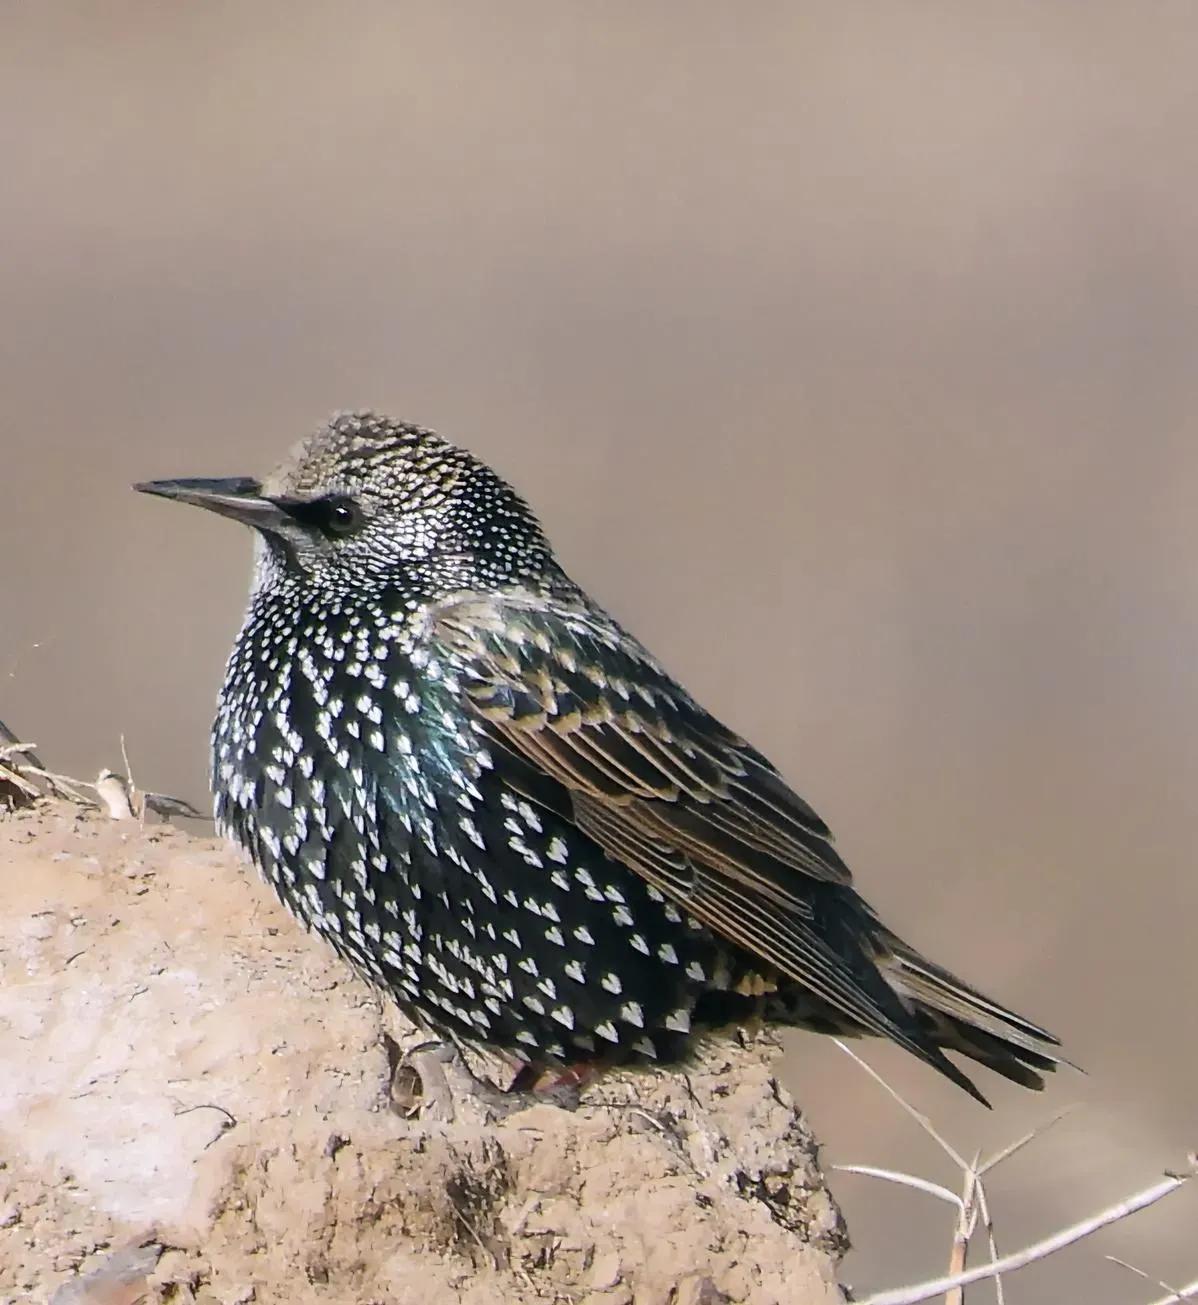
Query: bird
[501, 810]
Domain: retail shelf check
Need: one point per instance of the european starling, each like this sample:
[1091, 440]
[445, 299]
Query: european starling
[498, 807]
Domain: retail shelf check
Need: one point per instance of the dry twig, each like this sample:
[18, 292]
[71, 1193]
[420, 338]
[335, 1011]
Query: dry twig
[1175, 1294]
[973, 1207]
[1039, 1250]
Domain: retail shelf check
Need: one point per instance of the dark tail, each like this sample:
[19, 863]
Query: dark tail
[909, 999]
[958, 1018]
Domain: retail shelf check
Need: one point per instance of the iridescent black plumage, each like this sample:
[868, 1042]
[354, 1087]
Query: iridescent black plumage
[498, 807]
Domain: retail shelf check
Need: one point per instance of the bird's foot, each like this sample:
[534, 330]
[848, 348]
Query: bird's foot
[441, 1080]
[434, 1081]
[561, 1085]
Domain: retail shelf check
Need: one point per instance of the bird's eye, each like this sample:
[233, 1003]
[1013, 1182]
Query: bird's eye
[342, 516]
[335, 516]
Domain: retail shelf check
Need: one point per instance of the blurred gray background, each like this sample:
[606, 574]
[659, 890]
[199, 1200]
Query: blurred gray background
[847, 351]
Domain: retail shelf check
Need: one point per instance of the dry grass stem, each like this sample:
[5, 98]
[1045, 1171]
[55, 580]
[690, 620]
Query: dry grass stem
[1188, 1292]
[1175, 1294]
[921, 1119]
[906, 1180]
[973, 1207]
[23, 774]
[1039, 1250]
[62, 785]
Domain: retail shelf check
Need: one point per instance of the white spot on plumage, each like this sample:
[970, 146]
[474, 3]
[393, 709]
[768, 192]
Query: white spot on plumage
[517, 844]
[531, 819]
[470, 829]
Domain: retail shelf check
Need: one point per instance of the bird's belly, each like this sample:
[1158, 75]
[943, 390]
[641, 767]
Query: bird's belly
[497, 921]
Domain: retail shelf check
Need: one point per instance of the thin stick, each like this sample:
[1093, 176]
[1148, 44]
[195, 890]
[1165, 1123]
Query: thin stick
[905, 1180]
[68, 785]
[921, 1119]
[992, 1162]
[966, 1222]
[7, 736]
[992, 1244]
[13, 749]
[1188, 1292]
[131, 787]
[1131, 1268]
[1038, 1250]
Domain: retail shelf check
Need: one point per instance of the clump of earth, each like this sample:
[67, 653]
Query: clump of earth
[200, 1103]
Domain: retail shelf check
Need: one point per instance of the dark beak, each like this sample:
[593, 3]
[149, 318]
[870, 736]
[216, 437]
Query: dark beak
[239, 497]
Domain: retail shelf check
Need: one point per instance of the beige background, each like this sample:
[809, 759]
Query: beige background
[848, 353]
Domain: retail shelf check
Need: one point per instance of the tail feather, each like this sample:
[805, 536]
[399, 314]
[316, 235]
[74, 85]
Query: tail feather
[961, 1019]
[919, 1004]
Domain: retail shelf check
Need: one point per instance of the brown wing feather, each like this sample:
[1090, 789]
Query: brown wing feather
[661, 785]
[782, 936]
[602, 716]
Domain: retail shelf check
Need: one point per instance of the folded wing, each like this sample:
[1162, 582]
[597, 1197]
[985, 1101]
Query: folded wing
[666, 789]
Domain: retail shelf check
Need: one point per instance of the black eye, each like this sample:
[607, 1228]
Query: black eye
[335, 516]
[342, 516]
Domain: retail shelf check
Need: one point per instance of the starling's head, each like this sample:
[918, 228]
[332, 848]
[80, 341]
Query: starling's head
[370, 500]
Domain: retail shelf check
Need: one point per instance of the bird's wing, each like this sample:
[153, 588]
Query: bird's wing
[659, 783]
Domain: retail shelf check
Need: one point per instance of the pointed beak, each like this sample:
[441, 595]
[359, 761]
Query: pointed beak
[239, 497]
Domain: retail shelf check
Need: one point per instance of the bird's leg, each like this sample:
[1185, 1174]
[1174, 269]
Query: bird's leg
[562, 1085]
[420, 1082]
[436, 1081]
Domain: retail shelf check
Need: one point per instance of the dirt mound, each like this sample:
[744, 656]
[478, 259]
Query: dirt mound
[197, 1104]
